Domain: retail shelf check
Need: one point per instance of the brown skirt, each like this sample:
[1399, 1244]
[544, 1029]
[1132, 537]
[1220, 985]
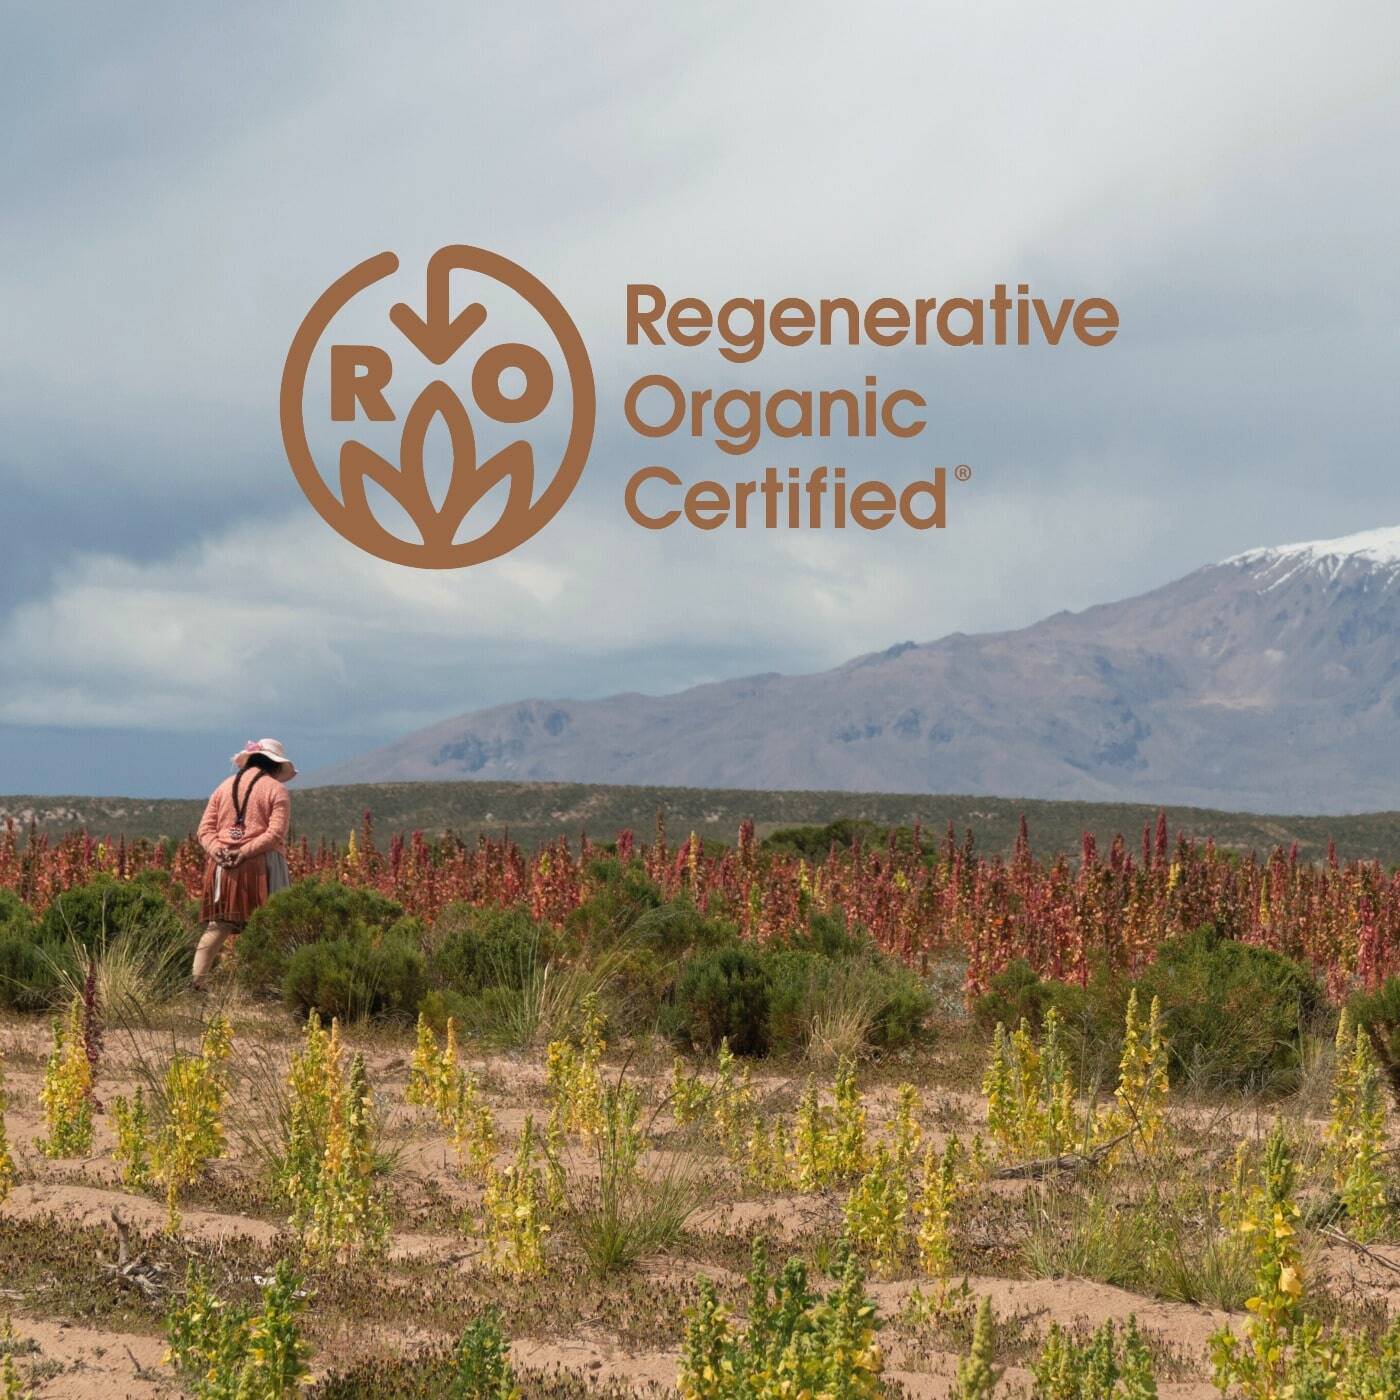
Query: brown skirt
[230, 896]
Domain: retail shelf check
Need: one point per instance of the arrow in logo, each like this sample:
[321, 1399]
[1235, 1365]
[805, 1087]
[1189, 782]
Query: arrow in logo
[440, 335]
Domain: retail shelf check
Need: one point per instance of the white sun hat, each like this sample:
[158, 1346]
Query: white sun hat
[286, 769]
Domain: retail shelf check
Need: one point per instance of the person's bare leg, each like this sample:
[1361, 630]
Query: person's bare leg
[207, 953]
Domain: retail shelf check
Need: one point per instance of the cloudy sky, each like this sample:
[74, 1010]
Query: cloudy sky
[182, 181]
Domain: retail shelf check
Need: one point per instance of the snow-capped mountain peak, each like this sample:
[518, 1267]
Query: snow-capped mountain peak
[1271, 681]
[1380, 548]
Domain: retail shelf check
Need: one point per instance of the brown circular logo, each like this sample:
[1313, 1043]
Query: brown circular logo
[359, 374]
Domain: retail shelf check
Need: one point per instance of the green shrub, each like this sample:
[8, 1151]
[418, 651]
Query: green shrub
[652, 955]
[26, 980]
[814, 843]
[678, 929]
[827, 934]
[641, 990]
[126, 922]
[618, 896]
[724, 995]
[16, 917]
[871, 1002]
[480, 948]
[1017, 993]
[791, 973]
[308, 912]
[361, 974]
[102, 909]
[1378, 1013]
[1235, 1014]
[902, 1005]
[29, 980]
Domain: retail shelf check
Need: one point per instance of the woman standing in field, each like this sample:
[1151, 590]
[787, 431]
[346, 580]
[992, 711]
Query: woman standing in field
[244, 833]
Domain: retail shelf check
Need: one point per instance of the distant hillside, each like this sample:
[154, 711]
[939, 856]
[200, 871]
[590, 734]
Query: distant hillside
[537, 812]
[1269, 682]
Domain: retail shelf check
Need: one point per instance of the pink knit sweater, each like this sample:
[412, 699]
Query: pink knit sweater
[264, 823]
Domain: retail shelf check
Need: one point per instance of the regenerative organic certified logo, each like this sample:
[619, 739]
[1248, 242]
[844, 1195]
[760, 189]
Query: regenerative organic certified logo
[359, 374]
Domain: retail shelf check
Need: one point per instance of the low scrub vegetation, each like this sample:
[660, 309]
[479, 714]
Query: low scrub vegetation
[553, 1126]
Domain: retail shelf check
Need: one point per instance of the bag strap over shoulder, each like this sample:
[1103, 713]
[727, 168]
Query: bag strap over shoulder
[240, 803]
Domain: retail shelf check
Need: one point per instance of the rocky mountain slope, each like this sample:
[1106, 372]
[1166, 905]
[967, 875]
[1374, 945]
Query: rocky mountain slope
[1267, 682]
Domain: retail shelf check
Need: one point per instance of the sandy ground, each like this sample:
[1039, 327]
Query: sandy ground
[75, 1336]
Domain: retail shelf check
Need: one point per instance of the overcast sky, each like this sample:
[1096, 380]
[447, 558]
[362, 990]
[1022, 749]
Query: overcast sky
[182, 181]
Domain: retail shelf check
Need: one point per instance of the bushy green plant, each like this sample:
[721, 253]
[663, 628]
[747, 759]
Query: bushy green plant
[659, 942]
[227, 1351]
[1017, 993]
[133, 926]
[29, 978]
[95, 912]
[814, 843]
[618, 895]
[479, 948]
[1378, 1014]
[16, 917]
[311, 911]
[724, 995]
[828, 933]
[677, 929]
[872, 1001]
[359, 975]
[1105, 1367]
[1234, 1013]
[796, 1343]
[977, 1376]
[482, 1364]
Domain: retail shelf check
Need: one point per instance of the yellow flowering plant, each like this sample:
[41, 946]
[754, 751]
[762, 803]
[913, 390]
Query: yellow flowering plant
[1259, 1362]
[513, 1205]
[1030, 1091]
[7, 1161]
[191, 1133]
[1140, 1100]
[795, 1344]
[1355, 1136]
[908, 1134]
[938, 1193]
[876, 1211]
[572, 1076]
[66, 1096]
[132, 1150]
[731, 1100]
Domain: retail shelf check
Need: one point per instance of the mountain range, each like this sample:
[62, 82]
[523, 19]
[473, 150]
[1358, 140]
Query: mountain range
[1267, 682]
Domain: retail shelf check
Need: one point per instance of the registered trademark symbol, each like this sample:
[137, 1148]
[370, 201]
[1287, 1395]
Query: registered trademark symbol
[963, 472]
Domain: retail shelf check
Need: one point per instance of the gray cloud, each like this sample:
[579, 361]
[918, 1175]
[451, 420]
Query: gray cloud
[181, 183]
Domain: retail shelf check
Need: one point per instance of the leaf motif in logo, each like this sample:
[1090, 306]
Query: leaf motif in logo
[408, 484]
